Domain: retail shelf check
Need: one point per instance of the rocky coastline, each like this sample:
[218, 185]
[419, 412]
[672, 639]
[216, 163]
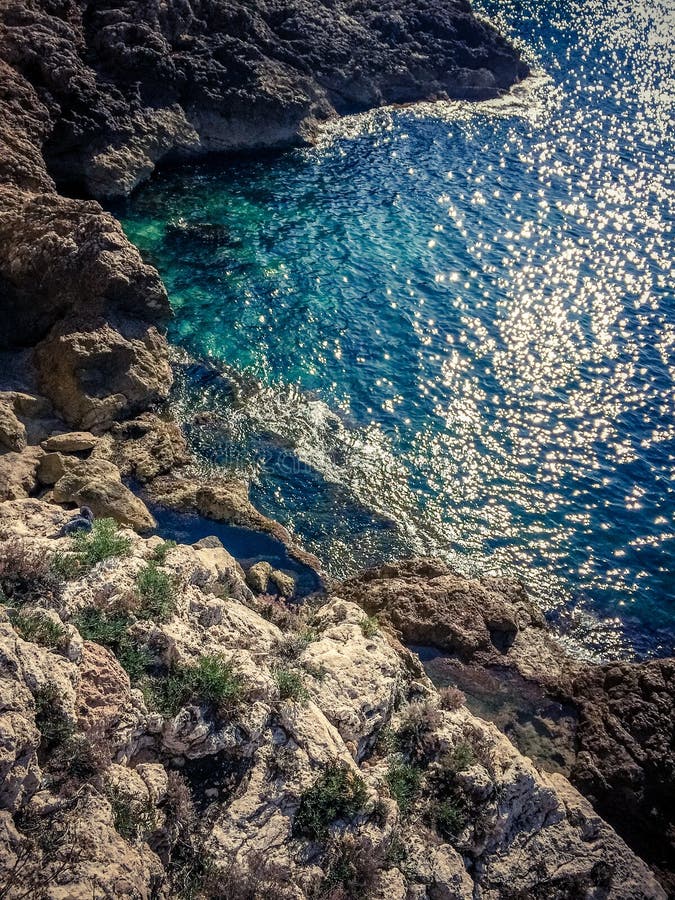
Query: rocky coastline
[170, 724]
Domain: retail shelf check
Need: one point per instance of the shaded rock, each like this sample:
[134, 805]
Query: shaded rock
[18, 473]
[258, 577]
[284, 583]
[221, 499]
[618, 738]
[146, 447]
[97, 484]
[96, 373]
[70, 442]
[12, 431]
[475, 619]
[54, 466]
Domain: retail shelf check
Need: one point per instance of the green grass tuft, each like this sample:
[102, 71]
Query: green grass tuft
[339, 793]
[160, 553]
[52, 723]
[157, 591]
[38, 629]
[103, 542]
[65, 566]
[211, 680]
[404, 781]
[291, 686]
[369, 626]
[133, 819]
[112, 632]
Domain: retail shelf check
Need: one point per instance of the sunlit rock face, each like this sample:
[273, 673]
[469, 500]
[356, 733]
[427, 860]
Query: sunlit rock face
[128, 767]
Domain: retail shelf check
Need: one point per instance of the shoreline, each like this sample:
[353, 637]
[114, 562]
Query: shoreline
[77, 427]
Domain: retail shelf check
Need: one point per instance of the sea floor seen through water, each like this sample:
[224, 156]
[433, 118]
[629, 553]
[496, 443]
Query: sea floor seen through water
[450, 329]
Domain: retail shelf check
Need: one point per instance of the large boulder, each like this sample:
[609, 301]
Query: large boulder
[609, 727]
[97, 484]
[95, 373]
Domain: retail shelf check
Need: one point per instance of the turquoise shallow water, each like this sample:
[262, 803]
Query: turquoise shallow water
[451, 329]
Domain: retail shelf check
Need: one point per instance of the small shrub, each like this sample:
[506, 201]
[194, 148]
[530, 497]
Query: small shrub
[276, 611]
[451, 698]
[352, 868]
[369, 626]
[449, 816]
[397, 850]
[134, 660]
[133, 819]
[103, 542]
[339, 793]
[293, 644]
[387, 741]
[290, 686]
[179, 808]
[316, 671]
[212, 680]
[416, 729]
[39, 629]
[80, 756]
[157, 592]
[65, 566]
[94, 625]
[404, 780]
[458, 759]
[215, 681]
[252, 877]
[283, 763]
[26, 576]
[54, 726]
[111, 630]
[160, 553]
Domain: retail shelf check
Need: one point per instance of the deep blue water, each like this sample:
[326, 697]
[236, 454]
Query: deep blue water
[450, 329]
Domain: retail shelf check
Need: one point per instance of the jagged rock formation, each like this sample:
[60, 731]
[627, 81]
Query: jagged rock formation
[292, 752]
[618, 747]
[94, 94]
[163, 728]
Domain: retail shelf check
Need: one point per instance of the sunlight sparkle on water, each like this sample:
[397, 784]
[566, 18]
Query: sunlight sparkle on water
[450, 329]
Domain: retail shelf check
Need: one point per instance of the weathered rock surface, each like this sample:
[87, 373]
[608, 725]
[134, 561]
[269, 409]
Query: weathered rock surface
[527, 834]
[244, 770]
[70, 442]
[97, 484]
[618, 747]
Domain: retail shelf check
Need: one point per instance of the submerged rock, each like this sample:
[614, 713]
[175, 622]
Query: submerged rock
[258, 577]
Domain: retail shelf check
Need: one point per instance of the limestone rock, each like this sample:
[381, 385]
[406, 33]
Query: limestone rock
[258, 576]
[103, 693]
[617, 743]
[527, 834]
[98, 485]
[18, 473]
[95, 373]
[70, 442]
[12, 431]
[146, 447]
[53, 466]
[284, 583]
[220, 499]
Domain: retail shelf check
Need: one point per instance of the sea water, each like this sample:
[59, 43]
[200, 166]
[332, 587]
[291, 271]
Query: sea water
[450, 329]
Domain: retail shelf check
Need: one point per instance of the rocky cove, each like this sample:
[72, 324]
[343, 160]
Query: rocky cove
[171, 725]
